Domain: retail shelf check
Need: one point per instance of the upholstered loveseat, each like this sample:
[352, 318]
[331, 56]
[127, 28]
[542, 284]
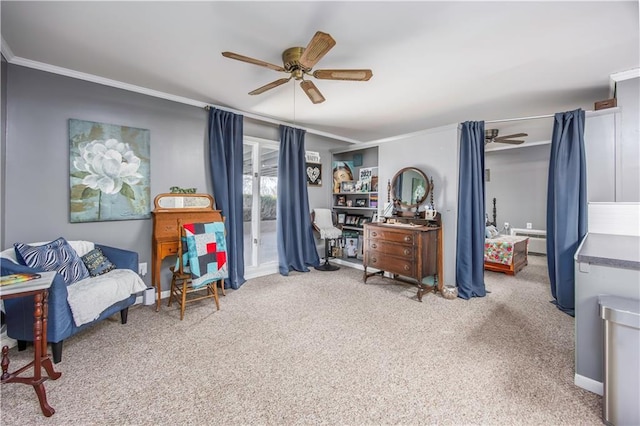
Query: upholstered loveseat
[109, 289]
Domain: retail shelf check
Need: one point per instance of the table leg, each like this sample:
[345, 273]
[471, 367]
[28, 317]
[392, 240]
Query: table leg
[40, 347]
[5, 362]
[46, 360]
[40, 355]
[155, 275]
[37, 337]
[47, 410]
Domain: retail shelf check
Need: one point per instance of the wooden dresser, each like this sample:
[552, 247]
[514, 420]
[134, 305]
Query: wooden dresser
[168, 209]
[405, 251]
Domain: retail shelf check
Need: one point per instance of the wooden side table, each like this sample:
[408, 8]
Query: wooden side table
[39, 288]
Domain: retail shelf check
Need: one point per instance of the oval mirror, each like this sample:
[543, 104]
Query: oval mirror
[411, 186]
[183, 201]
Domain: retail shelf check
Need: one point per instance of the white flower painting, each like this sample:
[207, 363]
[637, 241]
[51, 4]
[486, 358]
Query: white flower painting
[109, 172]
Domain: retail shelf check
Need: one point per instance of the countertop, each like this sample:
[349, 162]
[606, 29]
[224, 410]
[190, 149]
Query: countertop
[616, 251]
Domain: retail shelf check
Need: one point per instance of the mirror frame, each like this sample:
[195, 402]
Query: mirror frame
[394, 185]
[209, 205]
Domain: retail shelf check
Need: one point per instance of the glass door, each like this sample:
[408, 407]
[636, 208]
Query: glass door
[259, 194]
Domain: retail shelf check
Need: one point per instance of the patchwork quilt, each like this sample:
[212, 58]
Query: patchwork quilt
[500, 249]
[206, 254]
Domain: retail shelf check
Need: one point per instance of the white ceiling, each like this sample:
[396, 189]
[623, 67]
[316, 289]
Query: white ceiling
[434, 63]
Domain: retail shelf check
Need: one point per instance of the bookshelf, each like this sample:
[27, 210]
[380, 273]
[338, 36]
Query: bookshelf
[355, 198]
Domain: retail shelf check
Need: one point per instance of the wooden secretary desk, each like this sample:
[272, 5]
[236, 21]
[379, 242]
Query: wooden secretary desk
[168, 208]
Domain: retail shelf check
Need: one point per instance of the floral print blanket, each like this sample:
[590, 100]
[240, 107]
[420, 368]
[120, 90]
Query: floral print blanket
[500, 249]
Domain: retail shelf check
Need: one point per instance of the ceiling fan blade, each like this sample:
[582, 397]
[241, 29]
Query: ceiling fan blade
[319, 45]
[253, 61]
[509, 141]
[312, 91]
[269, 86]
[353, 75]
[515, 135]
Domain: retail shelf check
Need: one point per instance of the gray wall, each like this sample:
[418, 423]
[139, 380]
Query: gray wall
[628, 96]
[435, 152]
[3, 143]
[518, 181]
[36, 186]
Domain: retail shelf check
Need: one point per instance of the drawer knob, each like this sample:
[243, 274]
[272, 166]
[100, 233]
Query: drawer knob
[374, 260]
[406, 267]
[407, 238]
[407, 251]
[374, 234]
[374, 245]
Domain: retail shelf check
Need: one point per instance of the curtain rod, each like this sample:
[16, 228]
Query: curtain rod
[520, 118]
[534, 117]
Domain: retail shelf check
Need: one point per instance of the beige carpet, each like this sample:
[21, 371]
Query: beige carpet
[324, 348]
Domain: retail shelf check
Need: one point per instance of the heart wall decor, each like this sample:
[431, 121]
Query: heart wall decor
[314, 174]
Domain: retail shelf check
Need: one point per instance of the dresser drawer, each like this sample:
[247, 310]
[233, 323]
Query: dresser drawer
[168, 249]
[395, 265]
[388, 248]
[391, 235]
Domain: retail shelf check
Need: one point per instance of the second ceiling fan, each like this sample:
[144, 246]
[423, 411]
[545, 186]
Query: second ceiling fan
[298, 62]
[491, 135]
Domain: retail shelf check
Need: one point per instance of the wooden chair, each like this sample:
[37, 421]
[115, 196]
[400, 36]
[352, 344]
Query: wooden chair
[182, 284]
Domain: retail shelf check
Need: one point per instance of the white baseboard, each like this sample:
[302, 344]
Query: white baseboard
[339, 261]
[163, 295]
[588, 384]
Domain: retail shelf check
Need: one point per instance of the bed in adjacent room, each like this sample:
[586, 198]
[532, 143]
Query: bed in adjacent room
[503, 253]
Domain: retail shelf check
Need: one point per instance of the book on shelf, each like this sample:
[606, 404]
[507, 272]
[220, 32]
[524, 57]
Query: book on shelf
[367, 173]
[18, 278]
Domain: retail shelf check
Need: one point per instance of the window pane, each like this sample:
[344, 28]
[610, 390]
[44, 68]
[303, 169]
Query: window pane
[268, 249]
[247, 201]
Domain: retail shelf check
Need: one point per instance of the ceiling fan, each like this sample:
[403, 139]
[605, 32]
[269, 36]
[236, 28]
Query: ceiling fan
[491, 135]
[299, 61]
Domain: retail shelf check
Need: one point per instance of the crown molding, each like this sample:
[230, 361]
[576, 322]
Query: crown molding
[16, 60]
[104, 81]
[6, 51]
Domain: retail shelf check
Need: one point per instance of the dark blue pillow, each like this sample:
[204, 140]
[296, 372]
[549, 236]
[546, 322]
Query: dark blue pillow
[97, 263]
[57, 256]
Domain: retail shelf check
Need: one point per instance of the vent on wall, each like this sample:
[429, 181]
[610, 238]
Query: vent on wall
[537, 239]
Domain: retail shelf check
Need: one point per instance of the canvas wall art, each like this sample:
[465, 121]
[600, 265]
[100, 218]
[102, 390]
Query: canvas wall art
[109, 172]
